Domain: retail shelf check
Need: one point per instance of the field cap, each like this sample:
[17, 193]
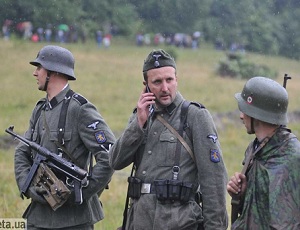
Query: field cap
[157, 59]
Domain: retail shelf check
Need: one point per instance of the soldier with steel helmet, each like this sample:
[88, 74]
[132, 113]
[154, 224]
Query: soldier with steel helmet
[265, 195]
[69, 125]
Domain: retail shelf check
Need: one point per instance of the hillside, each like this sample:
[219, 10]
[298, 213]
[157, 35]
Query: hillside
[112, 80]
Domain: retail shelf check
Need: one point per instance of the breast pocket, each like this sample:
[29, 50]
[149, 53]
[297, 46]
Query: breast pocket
[60, 144]
[66, 138]
[167, 147]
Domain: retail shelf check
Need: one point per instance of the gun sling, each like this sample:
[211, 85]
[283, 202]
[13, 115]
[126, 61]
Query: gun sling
[236, 199]
[183, 121]
[183, 116]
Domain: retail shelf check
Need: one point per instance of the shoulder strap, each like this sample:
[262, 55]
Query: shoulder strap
[198, 104]
[63, 116]
[183, 117]
[79, 98]
[183, 142]
[61, 125]
[37, 115]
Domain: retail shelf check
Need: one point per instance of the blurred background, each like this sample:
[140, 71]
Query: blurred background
[217, 45]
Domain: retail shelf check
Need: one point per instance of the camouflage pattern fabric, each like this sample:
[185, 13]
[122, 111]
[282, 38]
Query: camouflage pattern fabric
[272, 199]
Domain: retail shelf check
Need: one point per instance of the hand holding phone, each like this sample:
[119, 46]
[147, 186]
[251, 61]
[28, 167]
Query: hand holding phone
[151, 107]
[145, 106]
[148, 89]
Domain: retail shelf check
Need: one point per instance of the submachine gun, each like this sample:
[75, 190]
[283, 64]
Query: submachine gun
[45, 157]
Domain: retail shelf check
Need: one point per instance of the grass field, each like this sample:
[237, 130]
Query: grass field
[112, 80]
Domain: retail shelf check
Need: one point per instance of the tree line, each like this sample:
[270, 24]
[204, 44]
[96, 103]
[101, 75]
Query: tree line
[268, 27]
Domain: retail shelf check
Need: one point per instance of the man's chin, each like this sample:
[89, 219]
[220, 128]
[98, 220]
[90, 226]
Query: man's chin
[165, 103]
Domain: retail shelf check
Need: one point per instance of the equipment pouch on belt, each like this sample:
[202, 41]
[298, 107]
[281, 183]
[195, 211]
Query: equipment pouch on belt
[186, 192]
[161, 187]
[134, 187]
[174, 189]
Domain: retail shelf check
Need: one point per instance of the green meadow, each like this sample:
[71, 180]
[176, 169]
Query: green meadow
[112, 80]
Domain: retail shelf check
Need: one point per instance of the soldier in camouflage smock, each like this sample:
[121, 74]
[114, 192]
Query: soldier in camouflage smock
[269, 190]
[164, 191]
[84, 135]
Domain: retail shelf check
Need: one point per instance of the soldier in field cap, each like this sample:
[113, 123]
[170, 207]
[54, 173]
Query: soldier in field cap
[179, 177]
[157, 59]
[69, 125]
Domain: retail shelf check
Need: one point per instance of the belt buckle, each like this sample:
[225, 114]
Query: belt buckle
[145, 188]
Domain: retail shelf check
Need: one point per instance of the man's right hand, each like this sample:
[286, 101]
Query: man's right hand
[144, 102]
[36, 194]
[237, 184]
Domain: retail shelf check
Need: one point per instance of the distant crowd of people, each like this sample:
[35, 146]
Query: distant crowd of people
[61, 33]
[178, 39]
[103, 40]
[64, 33]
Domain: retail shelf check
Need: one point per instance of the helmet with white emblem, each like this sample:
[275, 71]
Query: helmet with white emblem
[264, 99]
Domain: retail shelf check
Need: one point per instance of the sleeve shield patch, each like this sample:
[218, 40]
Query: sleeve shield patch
[215, 155]
[100, 137]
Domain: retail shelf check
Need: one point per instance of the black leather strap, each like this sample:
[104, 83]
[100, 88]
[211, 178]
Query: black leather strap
[63, 116]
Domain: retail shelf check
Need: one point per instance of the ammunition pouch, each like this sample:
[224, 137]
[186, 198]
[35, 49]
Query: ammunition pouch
[134, 187]
[57, 192]
[165, 190]
[161, 188]
[173, 190]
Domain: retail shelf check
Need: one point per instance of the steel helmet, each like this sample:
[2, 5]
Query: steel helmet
[264, 99]
[56, 58]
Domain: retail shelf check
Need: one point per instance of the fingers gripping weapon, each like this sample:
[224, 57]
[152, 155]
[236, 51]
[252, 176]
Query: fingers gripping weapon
[55, 162]
[53, 189]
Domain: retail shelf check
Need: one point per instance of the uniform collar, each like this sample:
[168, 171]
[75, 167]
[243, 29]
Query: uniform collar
[57, 99]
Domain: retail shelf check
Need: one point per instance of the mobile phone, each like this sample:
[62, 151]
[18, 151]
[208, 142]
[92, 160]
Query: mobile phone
[151, 107]
[148, 89]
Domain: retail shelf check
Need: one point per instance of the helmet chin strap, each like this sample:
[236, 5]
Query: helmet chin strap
[252, 126]
[47, 80]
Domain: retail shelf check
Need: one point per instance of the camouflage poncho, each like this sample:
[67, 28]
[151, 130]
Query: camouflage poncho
[272, 199]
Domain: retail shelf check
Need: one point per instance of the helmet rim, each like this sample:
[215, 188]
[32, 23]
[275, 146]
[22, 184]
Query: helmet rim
[260, 114]
[57, 59]
[264, 99]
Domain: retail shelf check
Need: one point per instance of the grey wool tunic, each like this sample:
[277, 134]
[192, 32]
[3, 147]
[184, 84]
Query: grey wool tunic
[85, 132]
[153, 150]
